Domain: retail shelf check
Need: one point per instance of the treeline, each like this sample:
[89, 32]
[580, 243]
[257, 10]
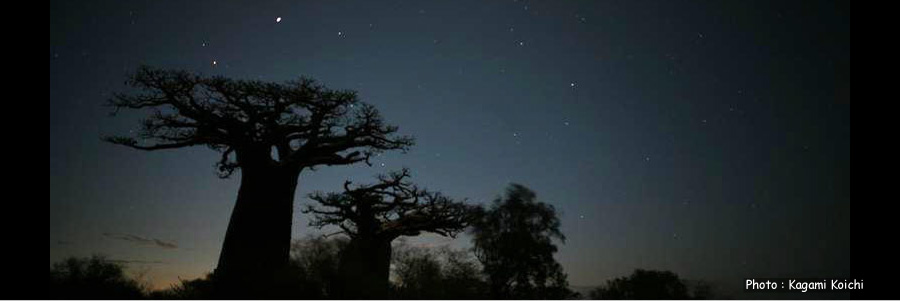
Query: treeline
[417, 273]
[514, 241]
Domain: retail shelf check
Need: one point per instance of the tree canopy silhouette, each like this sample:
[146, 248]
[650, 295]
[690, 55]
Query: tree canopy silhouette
[317, 260]
[92, 278]
[373, 216]
[646, 284]
[513, 241]
[436, 273]
[268, 131]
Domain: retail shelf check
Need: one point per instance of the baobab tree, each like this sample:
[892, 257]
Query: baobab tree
[373, 216]
[270, 132]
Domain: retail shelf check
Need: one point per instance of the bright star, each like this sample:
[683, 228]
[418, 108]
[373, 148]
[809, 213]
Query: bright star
[278, 20]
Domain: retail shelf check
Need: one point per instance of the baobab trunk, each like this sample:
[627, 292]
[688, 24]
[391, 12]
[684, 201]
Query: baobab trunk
[257, 242]
[365, 268]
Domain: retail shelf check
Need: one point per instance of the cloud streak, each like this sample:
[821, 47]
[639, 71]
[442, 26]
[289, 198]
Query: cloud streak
[130, 261]
[141, 240]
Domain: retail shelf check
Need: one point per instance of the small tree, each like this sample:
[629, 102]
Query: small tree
[645, 284]
[443, 273]
[513, 241]
[317, 260]
[373, 216]
[271, 132]
[92, 278]
[419, 274]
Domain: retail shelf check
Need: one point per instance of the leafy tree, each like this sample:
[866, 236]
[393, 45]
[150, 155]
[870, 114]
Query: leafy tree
[422, 273]
[462, 276]
[373, 216]
[514, 242]
[419, 275]
[317, 259]
[270, 132]
[92, 278]
[645, 284]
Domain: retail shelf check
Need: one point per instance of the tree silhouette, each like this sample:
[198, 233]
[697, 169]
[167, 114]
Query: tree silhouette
[442, 273]
[271, 132]
[317, 261]
[646, 284]
[92, 278]
[373, 216]
[513, 241]
[419, 275]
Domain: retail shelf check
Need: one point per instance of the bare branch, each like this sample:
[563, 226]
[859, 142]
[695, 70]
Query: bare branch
[308, 124]
[395, 206]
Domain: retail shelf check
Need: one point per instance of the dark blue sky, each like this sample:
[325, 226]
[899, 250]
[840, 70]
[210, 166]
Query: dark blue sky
[707, 138]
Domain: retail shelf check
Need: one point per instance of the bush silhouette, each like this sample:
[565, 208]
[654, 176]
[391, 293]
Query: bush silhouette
[92, 278]
[424, 273]
[200, 288]
[647, 284]
[317, 260]
[311, 274]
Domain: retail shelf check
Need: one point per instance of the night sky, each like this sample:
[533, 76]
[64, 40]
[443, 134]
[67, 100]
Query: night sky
[708, 138]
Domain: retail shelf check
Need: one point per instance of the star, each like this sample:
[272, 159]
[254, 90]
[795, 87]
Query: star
[340, 33]
[214, 63]
[521, 43]
[572, 84]
[566, 123]
[278, 20]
